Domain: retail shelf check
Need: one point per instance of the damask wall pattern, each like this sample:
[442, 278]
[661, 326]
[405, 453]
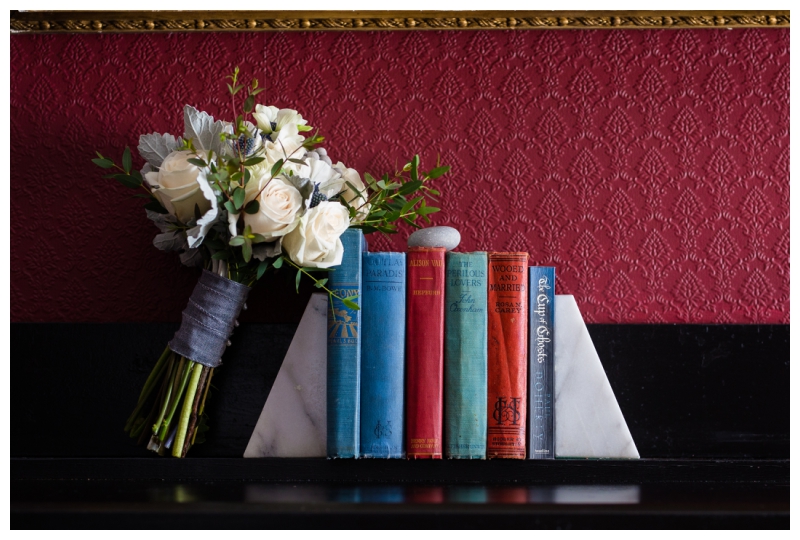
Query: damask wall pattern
[650, 167]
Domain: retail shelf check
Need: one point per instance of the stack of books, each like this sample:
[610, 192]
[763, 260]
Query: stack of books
[450, 355]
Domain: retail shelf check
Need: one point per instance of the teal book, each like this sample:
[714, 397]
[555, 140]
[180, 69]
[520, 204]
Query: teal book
[344, 351]
[465, 355]
[383, 338]
[541, 362]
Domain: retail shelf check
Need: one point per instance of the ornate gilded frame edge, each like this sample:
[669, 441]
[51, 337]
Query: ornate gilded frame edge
[30, 22]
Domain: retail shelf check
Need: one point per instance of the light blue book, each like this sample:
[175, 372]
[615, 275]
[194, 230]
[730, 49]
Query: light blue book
[465, 355]
[344, 351]
[383, 354]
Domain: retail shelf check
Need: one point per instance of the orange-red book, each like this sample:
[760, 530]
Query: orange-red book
[507, 301]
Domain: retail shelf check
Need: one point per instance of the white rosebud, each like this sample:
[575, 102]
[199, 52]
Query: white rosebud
[279, 207]
[177, 187]
[315, 241]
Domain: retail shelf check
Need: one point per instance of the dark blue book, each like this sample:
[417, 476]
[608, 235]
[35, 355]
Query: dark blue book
[383, 331]
[541, 424]
[465, 355]
[344, 351]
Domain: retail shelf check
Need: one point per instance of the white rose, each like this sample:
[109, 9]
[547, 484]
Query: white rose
[355, 198]
[315, 241]
[177, 187]
[278, 210]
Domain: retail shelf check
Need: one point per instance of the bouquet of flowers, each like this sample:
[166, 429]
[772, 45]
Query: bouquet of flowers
[237, 199]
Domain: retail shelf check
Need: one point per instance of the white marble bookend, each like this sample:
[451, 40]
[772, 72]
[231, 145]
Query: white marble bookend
[293, 421]
[589, 423]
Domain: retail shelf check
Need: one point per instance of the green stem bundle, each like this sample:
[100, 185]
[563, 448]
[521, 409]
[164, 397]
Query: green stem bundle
[175, 384]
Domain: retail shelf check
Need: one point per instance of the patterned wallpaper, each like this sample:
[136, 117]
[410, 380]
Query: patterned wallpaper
[650, 167]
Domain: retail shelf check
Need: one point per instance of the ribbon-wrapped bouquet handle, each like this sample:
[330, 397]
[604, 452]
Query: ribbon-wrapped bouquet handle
[209, 319]
[182, 376]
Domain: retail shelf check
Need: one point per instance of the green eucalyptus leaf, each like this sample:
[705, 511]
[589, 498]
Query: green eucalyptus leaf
[249, 102]
[238, 197]
[320, 283]
[197, 162]
[297, 279]
[103, 163]
[277, 168]
[128, 181]
[410, 187]
[278, 262]
[220, 255]
[126, 160]
[230, 207]
[438, 171]
[349, 302]
[262, 267]
[254, 161]
[252, 207]
[247, 251]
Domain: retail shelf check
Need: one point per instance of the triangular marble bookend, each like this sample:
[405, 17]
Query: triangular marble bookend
[293, 421]
[589, 423]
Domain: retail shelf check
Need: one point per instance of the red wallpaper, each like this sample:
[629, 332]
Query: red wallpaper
[650, 167]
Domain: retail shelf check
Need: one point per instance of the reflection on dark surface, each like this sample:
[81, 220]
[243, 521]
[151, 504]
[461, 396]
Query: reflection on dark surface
[679, 494]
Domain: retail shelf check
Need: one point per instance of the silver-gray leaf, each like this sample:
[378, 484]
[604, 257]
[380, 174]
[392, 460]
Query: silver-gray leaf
[203, 130]
[170, 241]
[192, 258]
[162, 221]
[266, 250]
[155, 147]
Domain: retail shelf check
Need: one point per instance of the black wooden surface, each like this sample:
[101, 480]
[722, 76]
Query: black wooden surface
[687, 391]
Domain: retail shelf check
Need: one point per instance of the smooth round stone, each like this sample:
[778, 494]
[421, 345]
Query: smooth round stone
[446, 237]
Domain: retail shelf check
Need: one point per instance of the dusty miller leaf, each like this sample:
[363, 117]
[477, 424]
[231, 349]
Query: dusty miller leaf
[169, 241]
[203, 130]
[162, 221]
[192, 258]
[154, 147]
[266, 250]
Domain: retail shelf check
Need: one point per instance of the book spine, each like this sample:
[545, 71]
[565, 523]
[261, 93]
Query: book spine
[507, 301]
[344, 351]
[541, 366]
[465, 356]
[383, 325]
[425, 352]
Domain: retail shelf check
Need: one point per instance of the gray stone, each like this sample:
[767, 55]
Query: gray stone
[446, 237]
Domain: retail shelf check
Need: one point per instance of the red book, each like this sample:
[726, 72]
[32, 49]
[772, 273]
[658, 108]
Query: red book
[507, 301]
[425, 352]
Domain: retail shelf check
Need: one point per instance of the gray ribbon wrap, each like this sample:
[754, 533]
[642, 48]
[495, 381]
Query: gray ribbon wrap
[209, 319]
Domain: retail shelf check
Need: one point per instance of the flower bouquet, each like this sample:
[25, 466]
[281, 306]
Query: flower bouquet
[238, 199]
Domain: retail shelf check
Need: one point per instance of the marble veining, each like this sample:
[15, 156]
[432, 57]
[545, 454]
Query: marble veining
[589, 422]
[292, 423]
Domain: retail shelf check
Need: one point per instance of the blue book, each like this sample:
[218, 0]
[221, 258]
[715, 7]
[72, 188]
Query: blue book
[541, 366]
[344, 351]
[383, 332]
[465, 355]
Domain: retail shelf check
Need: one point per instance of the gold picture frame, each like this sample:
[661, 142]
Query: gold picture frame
[37, 22]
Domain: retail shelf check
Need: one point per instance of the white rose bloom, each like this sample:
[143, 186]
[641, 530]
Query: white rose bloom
[315, 241]
[356, 199]
[270, 118]
[177, 186]
[279, 207]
